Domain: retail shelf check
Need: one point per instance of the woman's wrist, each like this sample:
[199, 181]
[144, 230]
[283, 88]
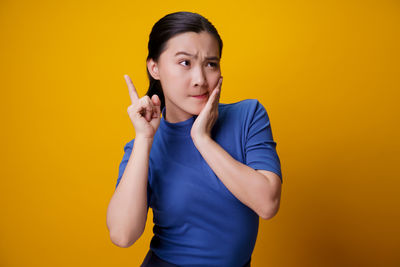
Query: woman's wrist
[201, 140]
[144, 140]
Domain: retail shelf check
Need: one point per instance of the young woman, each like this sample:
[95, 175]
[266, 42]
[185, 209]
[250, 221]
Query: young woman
[208, 170]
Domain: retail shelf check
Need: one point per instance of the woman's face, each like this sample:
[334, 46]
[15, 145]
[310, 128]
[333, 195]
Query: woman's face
[188, 69]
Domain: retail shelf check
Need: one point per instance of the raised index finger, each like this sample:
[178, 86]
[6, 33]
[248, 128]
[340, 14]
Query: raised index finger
[132, 90]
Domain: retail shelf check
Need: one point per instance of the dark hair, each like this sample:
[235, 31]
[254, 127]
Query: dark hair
[166, 28]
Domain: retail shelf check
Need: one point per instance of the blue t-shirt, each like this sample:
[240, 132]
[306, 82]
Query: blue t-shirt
[197, 220]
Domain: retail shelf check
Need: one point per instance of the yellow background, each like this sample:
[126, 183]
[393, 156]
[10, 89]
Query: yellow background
[326, 71]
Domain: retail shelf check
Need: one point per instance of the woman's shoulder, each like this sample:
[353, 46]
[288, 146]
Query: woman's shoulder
[245, 107]
[129, 145]
[240, 105]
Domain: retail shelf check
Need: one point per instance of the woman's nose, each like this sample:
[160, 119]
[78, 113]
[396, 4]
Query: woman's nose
[199, 78]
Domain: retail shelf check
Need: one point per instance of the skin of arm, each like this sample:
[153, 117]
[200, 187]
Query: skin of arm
[260, 190]
[127, 210]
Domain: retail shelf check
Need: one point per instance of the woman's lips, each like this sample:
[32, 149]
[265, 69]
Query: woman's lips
[200, 96]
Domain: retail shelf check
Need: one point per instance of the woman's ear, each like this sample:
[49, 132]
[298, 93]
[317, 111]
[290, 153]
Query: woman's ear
[152, 66]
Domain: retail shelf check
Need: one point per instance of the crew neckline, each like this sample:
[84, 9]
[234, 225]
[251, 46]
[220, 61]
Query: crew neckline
[177, 128]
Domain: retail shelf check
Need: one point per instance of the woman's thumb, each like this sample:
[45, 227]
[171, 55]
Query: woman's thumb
[157, 104]
[156, 100]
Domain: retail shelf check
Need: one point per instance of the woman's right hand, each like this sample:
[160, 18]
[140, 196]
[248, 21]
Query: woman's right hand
[144, 112]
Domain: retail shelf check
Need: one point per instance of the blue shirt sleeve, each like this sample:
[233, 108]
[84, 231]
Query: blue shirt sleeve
[127, 153]
[260, 146]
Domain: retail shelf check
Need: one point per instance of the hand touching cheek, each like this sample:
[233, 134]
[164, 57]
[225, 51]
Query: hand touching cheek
[205, 121]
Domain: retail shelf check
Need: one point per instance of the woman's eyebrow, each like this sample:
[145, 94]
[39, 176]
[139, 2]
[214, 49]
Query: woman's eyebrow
[188, 54]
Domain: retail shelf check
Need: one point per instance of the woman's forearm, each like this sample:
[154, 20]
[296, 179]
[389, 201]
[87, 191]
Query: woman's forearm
[127, 210]
[248, 185]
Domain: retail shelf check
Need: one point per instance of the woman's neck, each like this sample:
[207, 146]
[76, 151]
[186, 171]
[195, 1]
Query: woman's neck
[175, 114]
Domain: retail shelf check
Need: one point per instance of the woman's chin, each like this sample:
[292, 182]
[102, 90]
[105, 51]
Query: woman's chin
[196, 110]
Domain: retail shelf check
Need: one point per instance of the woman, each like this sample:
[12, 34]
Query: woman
[208, 170]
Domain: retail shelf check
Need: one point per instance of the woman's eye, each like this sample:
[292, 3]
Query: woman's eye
[184, 61]
[187, 63]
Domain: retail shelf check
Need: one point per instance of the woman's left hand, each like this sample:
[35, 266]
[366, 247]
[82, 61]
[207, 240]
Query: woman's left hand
[205, 121]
